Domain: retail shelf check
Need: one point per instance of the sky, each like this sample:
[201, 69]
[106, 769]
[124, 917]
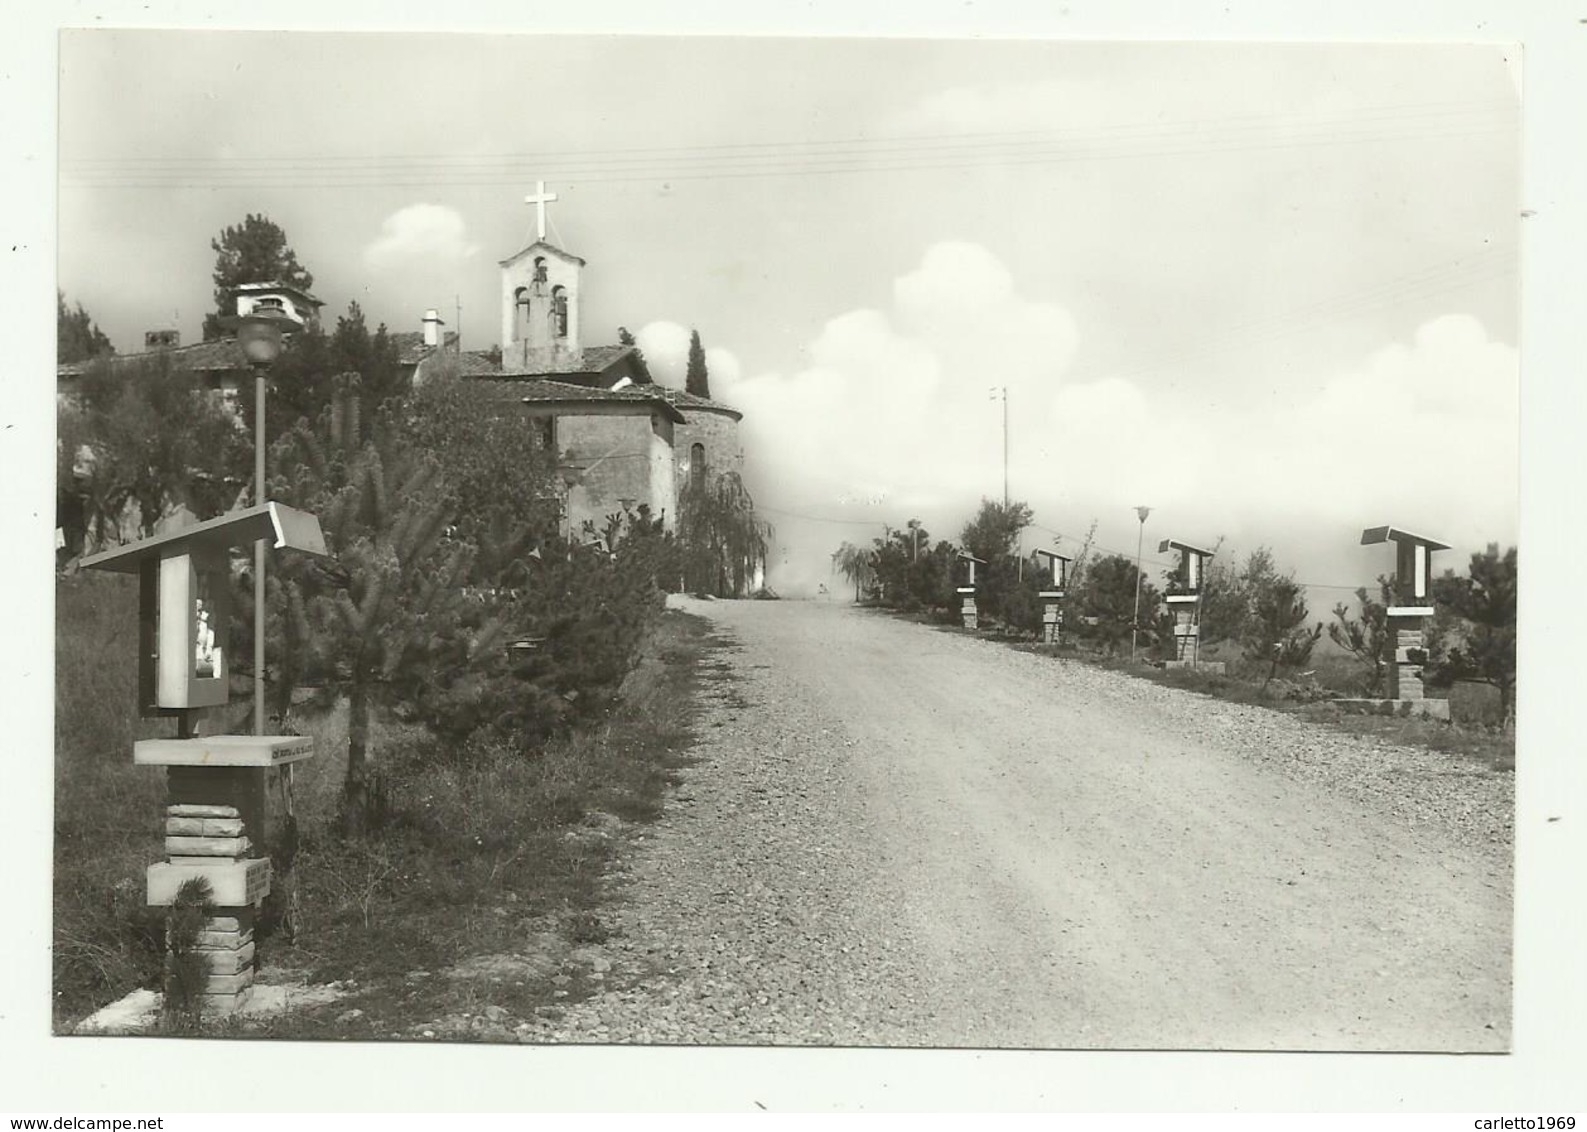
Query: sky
[1268, 290]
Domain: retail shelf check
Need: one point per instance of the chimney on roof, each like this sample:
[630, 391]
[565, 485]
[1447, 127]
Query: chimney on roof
[432, 328]
[161, 339]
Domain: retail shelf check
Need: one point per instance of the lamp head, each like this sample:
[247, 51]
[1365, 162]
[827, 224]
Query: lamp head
[260, 334]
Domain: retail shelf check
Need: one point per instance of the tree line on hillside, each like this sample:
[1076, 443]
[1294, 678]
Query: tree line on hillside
[1250, 605]
[451, 597]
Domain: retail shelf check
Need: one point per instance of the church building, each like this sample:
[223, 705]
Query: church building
[623, 439]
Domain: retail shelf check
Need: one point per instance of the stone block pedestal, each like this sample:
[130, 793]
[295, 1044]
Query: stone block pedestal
[1052, 617]
[967, 607]
[1187, 630]
[1406, 694]
[1406, 631]
[215, 830]
[226, 947]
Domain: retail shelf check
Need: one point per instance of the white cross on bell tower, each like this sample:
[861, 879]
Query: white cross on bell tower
[540, 198]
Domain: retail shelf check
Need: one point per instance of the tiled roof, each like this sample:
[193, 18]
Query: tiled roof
[476, 363]
[683, 399]
[541, 391]
[205, 357]
[543, 245]
[594, 364]
[410, 345]
[593, 359]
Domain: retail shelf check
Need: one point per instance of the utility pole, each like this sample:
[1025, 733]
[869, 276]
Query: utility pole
[1141, 513]
[1001, 392]
[457, 305]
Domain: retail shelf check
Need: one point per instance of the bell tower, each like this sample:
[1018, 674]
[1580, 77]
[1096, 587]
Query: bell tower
[540, 301]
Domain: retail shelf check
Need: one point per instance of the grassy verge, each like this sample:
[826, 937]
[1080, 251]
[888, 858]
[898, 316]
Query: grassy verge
[107, 812]
[482, 847]
[1473, 732]
[487, 853]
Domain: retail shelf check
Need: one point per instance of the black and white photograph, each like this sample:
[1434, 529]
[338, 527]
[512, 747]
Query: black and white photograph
[866, 542]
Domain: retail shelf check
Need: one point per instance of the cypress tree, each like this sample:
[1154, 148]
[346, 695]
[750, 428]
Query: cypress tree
[697, 380]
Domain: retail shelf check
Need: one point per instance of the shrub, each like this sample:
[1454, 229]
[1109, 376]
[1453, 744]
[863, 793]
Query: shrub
[1368, 639]
[1276, 632]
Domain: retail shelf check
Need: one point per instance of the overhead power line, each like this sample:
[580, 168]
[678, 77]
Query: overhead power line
[801, 158]
[1405, 112]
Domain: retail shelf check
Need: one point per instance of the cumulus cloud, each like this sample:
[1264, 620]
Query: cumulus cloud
[894, 421]
[900, 400]
[896, 405]
[666, 349]
[724, 369]
[1426, 428]
[420, 235]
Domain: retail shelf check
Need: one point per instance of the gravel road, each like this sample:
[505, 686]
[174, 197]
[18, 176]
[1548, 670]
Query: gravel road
[901, 836]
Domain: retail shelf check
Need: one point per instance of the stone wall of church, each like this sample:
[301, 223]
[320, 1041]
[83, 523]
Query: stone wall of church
[717, 433]
[617, 457]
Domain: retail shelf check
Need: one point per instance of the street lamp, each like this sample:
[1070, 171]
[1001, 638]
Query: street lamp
[260, 336]
[1000, 393]
[1135, 621]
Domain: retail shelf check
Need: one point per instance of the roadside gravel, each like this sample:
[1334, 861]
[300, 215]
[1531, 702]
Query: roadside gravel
[751, 914]
[1460, 797]
[895, 836]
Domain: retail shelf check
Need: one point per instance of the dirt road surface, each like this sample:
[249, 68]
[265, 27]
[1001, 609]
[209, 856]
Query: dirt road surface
[898, 835]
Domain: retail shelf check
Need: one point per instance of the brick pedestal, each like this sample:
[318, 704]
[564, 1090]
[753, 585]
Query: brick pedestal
[215, 830]
[1407, 631]
[967, 607]
[226, 946]
[1187, 633]
[1052, 617]
[212, 842]
[1187, 637]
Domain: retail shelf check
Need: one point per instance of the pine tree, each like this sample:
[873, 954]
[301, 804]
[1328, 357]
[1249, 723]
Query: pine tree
[77, 337]
[255, 251]
[1485, 600]
[1368, 639]
[1276, 633]
[993, 536]
[154, 438]
[390, 608]
[1106, 595]
[302, 377]
[697, 379]
[642, 371]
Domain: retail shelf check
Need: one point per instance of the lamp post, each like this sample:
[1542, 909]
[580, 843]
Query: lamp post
[1000, 393]
[1141, 513]
[259, 334]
